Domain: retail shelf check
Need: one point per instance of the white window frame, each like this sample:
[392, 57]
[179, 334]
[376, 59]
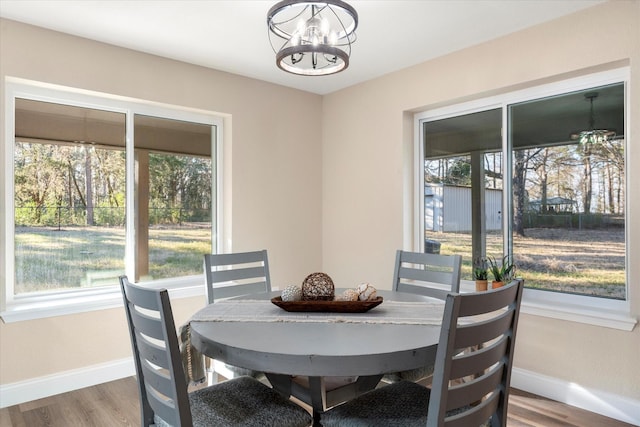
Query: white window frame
[579, 308]
[39, 305]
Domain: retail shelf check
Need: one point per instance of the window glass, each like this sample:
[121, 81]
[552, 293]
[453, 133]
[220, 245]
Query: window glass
[69, 197]
[174, 195]
[463, 184]
[568, 154]
[69, 200]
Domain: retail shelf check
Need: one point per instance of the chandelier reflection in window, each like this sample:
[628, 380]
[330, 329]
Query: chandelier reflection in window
[312, 38]
[593, 135]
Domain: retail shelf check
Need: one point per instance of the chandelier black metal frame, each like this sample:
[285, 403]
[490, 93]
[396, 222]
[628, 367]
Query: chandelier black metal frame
[312, 38]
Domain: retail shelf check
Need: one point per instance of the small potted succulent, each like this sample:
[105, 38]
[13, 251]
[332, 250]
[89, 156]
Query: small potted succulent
[481, 274]
[502, 272]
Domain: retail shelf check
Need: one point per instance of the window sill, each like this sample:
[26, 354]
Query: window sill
[608, 317]
[43, 306]
[595, 311]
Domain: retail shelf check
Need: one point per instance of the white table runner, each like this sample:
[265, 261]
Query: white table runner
[391, 312]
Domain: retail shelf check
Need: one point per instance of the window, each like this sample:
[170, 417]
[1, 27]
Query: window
[569, 191]
[174, 197]
[97, 187]
[69, 197]
[463, 185]
[538, 175]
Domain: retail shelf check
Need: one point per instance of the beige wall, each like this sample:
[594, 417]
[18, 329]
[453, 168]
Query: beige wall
[272, 196]
[354, 183]
[367, 153]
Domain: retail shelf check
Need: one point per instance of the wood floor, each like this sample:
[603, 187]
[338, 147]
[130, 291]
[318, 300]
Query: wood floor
[116, 404]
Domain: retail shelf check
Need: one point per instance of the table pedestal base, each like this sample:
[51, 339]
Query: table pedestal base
[313, 390]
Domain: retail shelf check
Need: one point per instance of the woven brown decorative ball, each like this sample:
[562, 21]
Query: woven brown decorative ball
[318, 287]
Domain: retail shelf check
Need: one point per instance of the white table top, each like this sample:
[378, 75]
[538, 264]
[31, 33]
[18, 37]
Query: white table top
[319, 348]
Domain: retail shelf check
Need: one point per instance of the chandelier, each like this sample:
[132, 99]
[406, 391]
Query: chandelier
[593, 135]
[312, 38]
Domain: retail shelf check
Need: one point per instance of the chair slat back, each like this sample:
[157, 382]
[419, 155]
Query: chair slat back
[161, 381]
[474, 358]
[478, 333]
[427, 274]
[235, 274]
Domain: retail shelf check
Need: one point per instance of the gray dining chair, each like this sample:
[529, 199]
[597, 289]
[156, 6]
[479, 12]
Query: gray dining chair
[470, 388]
[232, 275]
[235, 274]
[426, 274]
[162, 386]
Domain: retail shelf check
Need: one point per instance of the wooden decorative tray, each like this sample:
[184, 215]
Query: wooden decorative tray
[327, 306]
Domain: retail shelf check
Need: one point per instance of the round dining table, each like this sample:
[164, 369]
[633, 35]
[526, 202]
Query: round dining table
[319, 349]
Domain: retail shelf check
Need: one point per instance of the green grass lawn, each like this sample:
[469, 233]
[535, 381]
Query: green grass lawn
[588, 262]
[72, 257]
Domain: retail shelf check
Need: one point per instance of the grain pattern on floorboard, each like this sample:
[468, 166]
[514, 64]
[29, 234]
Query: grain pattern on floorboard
[115, 404]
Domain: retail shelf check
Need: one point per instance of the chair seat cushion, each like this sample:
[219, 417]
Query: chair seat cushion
[401, 404]
[244, 402]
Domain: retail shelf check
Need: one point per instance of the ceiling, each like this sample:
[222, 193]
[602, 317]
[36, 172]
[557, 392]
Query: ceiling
[232, 35]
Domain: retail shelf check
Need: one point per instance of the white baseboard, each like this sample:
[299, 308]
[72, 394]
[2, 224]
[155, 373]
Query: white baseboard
[49, 385]
[601, 402]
